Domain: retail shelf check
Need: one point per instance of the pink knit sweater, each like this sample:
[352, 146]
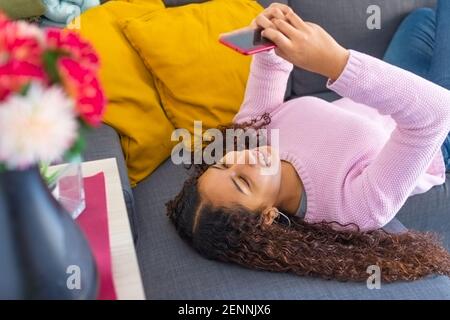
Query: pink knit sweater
[362, 156]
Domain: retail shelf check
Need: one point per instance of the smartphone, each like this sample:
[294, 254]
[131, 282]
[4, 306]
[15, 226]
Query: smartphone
[246, 41]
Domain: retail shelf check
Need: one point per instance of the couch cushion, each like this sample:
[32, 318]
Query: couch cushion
[348, 25]
[325, 95]
[133, 109]
[175, 3]
[196, 77]
[429, 211]
[266, 3]
[172, 270]
[170, 3]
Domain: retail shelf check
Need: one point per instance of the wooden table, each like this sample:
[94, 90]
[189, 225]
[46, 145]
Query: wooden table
[125, 269]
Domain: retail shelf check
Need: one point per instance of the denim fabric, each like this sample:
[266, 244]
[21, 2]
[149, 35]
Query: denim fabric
[422, 45]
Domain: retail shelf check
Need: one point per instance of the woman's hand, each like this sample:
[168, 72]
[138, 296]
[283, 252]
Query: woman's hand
[304, 44]
[264, 19]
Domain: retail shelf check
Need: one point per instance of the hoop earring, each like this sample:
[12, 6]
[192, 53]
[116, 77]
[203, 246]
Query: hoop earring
[285, 217]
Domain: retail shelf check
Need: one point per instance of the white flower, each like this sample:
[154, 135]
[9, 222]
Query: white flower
[40, 126]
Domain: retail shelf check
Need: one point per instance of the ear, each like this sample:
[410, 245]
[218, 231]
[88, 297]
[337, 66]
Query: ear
[269, 215]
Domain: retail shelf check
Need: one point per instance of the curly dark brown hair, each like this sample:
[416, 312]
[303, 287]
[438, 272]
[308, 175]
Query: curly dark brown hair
[240, 236]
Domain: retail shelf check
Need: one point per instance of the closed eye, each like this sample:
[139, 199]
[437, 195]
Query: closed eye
[222, 166]
[245, 181]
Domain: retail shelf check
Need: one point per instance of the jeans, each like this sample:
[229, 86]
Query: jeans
[422, 45]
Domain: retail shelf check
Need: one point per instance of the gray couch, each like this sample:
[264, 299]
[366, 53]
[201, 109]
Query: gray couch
[172, 270]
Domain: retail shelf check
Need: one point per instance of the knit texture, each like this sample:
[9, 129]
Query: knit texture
[360, 157]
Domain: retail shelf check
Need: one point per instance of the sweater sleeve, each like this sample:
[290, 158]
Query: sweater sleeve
[266, 86]
[375, 193]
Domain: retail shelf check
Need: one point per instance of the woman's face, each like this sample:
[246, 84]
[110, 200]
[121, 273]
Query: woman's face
[249, 178]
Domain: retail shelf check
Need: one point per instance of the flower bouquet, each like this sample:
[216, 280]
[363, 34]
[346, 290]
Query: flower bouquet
[50, 96]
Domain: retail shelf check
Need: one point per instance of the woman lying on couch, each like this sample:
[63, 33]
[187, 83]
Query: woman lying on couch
[344, 168]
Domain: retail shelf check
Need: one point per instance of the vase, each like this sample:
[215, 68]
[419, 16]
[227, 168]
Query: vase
[11, 283]
[54, 258]
[68, 187]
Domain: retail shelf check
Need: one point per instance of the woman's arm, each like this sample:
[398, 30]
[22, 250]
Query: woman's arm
[269, 73]
[301, 43]
[421, 110]
[266, 86]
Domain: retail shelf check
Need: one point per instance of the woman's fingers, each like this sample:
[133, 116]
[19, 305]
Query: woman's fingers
[295, 20]
[285, 9]
[287, 15]
[263, 22]
[280, 17]
[274, 12]
[265, 19]
[278, 38]
[286, 28]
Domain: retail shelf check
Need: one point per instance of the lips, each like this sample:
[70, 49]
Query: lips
[263, 156]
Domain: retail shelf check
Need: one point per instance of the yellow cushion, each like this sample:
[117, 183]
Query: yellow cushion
[134, 109]
[197, 77]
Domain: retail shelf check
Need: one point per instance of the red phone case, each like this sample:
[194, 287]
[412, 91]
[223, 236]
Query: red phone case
[223, 40]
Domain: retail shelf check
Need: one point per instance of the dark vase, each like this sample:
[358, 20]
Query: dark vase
[11, 283]
[52, 256]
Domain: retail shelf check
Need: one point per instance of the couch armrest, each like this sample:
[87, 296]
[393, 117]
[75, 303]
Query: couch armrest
[102, 143]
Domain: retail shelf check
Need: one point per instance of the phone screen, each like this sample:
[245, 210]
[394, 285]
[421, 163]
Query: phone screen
[247, 40]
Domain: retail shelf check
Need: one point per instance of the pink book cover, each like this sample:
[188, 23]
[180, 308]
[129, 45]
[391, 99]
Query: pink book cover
[94, 222]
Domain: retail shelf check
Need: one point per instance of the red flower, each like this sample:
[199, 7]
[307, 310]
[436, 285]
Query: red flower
[21, 49]
[3, 20]
[71, 43]
[28, 53]
[82, 84]
[14, 75]
[20, 41]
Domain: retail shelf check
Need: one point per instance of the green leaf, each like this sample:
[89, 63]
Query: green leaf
[24, 90]
[50, 179]
[51, 65]
[80, 144]
[2, 167]
[75, 150]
